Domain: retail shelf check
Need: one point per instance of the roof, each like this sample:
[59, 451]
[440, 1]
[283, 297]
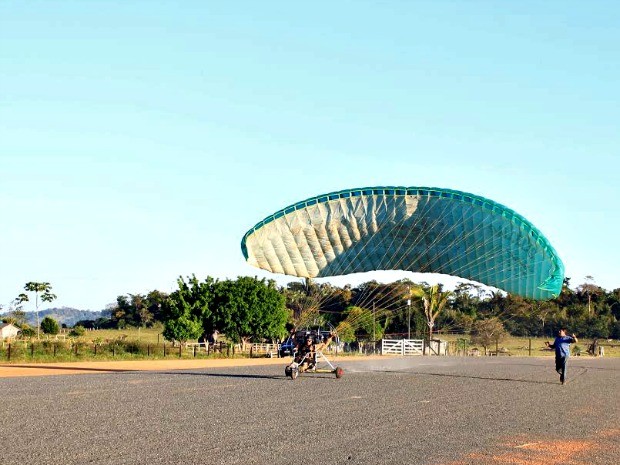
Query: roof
[5, 325]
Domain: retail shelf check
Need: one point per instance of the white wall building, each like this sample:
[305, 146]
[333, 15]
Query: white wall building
[8, 331]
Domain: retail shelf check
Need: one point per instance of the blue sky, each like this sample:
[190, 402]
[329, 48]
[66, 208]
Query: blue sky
[140, 140]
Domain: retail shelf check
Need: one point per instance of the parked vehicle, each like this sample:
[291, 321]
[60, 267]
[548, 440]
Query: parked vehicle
[287, 347]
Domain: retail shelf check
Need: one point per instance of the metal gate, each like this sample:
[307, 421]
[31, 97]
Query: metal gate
[402, 346]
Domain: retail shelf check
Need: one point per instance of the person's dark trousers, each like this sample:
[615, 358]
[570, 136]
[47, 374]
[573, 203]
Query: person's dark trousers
[560, 367]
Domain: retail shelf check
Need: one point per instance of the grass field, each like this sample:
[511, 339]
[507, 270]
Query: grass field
[148, 343]
[145, 335]
[520, 346]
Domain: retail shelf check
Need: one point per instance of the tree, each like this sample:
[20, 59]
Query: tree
[19, 316]
[363, 322]
[154, 303]
[15, 314]
[249, 308]
[182, 329]
[590, 289]
[302, 299]
[45, 289]
[187, 311]
[133, 310]
[50, 326]
[121, 311]
[434, 300]
[466, 298]
[486, 332]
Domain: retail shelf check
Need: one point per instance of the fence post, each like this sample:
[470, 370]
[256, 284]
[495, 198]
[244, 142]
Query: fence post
[180, 349]
[208, 348]
[114, 350]
[32, 349]
[529, 349]
[251, 350]
[54, 350]
[164, 349]
[194, 351]
[148, 350]
[95, 349]
[76, 350]
[228, 350]
[9, 352]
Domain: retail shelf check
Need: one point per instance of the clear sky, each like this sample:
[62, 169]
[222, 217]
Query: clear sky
[140, 140]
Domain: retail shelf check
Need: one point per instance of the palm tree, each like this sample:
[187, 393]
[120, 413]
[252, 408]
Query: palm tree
[46, 296]
[434, 300]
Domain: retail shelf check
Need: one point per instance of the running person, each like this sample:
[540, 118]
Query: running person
[562, 352]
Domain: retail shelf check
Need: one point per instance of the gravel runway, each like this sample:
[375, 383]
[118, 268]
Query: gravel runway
[417, 410]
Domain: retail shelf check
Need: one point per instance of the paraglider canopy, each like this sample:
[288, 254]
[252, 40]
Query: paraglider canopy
[420, 229]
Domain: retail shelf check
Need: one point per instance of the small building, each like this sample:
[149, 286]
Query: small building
[8, 331]
[436, 347]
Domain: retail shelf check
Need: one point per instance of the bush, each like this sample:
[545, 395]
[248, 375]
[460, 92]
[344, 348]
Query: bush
[28, 331]
[77, 331]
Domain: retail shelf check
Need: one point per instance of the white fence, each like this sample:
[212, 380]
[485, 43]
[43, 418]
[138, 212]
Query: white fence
[267, 350]
[402, 346]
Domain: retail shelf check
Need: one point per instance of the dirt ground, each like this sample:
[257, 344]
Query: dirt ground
[76, 368]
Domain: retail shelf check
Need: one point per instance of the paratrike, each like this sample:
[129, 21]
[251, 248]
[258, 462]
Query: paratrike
[309, 357]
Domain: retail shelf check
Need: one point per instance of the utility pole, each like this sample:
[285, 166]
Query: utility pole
[409, 314]
[374, 341]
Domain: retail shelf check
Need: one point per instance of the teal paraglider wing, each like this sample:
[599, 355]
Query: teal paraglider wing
[420, 229]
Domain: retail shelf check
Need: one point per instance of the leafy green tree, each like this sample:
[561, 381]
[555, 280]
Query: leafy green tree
[364, 323]
[182, 329]
[45, 289]
[249, 308]
[466, 298]
[50, 326]
[154, 302]
[346, 332]
[141, 315]
[187, 311]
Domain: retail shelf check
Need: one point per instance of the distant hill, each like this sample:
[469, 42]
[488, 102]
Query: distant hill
[65, 315]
